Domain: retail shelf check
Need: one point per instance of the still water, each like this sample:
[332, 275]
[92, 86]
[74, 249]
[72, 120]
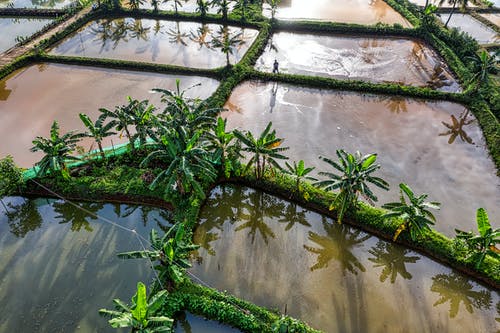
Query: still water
[476, 29]
[59, 267]
[345, 11]
[34, 3]
[60, 92]
[434, 147]
[338, 279]
[12, 28]
[495, 18]
[187, 44]
[399, 60]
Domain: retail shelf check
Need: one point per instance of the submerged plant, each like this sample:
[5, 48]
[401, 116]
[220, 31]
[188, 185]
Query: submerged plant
[415, 213]
[355, 174]
[143, 315]
[484, 243]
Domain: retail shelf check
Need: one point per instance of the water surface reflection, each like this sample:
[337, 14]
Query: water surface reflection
[332, 276]
[13, 28]
[413, 139]
[476, 29]
[34, 3]
[59, 264]
[167, 42]
[399, 60]
[60, 92]
[350, 11]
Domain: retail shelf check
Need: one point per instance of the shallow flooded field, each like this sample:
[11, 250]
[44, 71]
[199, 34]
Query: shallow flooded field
[189, 6]
[352, 11]
[280, 255]
[476, 29]
[59, 92]
[189, 323]
[494, 18]
[434, 147]
[18, 27]
[35, 3]
[399, 60]
[185, 44]
[59, 267]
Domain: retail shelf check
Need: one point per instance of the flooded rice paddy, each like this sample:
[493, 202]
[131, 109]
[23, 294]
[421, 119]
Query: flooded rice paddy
[59, 267]
[60, 92]
[399, 60]
[434, 147]
[476, 29]
[35, 3]
[189, 6]
[187, 44]
[13, 28]
[494, 18]
[351, 11]
[189, 323]
[336, 278]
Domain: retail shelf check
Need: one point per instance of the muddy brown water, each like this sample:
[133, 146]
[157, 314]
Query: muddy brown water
[434, 147]
[18, 27]
[338, 279]
[351, 11]
[185, 44]
[474, 28]
[33, 97]
[399, 60]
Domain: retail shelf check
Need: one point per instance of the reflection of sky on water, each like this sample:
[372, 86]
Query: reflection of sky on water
[167, 42]
[476, 29]
[338, 279]
[52, 88]
[418, 142]
[348, 57]
[59, 266]
[14, 27]
[347, 11]
[35, 3]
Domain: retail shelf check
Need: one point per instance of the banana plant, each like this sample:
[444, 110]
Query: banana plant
[415, 213]
[299, 171]
[171, 251]
[97, 130]
[143, 315]
[355, 174]
[484, 243]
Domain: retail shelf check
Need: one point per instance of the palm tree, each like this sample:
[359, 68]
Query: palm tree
[135, 4]
[457, 289]
[483, 65]
[393, 259]
[155, 4]
[461, 3]
[414, 213]
[223, 7]
[355, 174]
[98, 130]
[484, 243]
[456, 128]
[299, 171]
[171, 250]
[57, 150]
[265, 149]
[143, 315]
[227, 41]
[176, 4]
[225, 150]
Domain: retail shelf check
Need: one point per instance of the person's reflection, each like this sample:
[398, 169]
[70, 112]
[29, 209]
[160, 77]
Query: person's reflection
[272, 102]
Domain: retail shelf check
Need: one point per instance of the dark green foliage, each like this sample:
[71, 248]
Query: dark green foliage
[11, 177]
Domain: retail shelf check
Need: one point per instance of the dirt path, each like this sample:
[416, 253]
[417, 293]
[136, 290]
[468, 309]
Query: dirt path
[14, 52]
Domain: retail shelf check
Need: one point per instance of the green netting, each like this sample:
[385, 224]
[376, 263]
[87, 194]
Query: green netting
[93, 155]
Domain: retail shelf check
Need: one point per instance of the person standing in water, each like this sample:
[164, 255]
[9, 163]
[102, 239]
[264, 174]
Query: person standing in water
[276, 66]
